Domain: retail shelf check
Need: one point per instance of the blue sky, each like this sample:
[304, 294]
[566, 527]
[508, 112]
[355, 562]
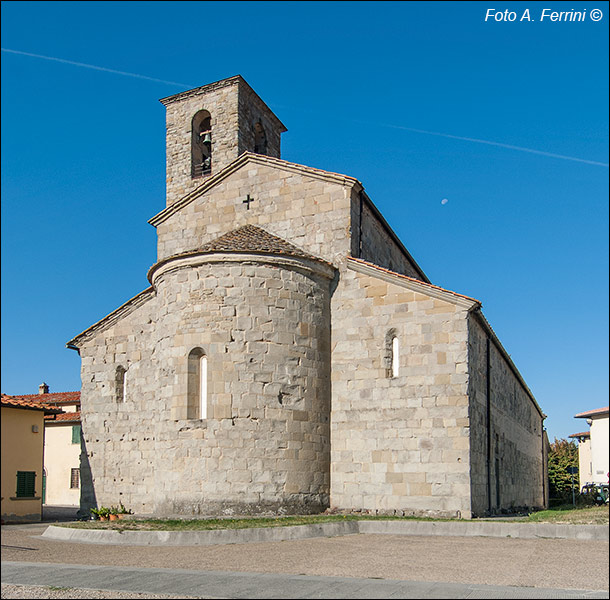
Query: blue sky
[357, 84]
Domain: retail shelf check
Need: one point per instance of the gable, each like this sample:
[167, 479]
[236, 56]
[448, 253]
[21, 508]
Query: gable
[307, 207]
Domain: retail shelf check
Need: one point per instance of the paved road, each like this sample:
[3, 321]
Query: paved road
[356, 566]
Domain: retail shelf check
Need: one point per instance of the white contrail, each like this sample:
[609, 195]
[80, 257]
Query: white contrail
[86, 66]
[500, 144]
[446, 135]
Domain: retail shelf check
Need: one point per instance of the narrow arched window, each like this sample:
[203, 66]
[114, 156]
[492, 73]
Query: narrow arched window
[120, 383]
[395, 357]
[260, 139]
[197, 385]
[201, 144]
[392, 354]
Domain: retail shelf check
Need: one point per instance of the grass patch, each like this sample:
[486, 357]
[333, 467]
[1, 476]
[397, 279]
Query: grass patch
[597, 515]
[230, 523]
[568, 514]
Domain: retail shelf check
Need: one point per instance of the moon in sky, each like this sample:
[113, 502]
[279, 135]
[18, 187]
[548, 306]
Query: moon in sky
[444, 201]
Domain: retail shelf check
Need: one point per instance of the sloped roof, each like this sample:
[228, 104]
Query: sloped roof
[17, 402]
[234, 80]
[582, 434]
[64, 417]
[117, 314]
[253, 239]
[598, 412]
[416, 284]
[52, 398]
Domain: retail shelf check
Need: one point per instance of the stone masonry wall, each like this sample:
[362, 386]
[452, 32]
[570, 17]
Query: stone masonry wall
[266, 333]
[398, 444]
[234, 109]
[516, 466]
[371, 241]
[310, 212]
[252, 110]
[222, 104]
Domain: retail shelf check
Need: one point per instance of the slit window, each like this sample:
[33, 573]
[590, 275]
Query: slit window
[197, 385]
[395, 357]
[120, 382]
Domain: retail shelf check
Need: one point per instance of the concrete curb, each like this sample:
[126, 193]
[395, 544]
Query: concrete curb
[487, 529]
[300, 532]
[201, 538]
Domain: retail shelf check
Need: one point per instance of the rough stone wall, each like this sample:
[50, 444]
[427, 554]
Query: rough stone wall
[371, 240]
[310, 212]
[251, 110]
[516, 468]
[234, 109]
[222, 104]
[398, 444]
[266, 333]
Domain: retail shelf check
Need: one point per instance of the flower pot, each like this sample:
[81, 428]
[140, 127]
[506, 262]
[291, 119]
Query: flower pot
[114, 517]
[103, 518]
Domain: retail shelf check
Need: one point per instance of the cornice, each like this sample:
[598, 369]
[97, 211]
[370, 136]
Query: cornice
[196, 259]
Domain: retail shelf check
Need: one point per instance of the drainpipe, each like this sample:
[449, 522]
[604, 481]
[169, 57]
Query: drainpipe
[488, 424]
[544, 491]
[360, 225]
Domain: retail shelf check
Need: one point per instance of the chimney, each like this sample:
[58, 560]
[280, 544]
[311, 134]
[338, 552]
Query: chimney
[43, 388]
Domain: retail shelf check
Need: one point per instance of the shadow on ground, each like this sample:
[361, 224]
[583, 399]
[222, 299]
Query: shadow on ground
[59, 513]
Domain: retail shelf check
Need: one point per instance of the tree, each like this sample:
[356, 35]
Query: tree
[562, 454]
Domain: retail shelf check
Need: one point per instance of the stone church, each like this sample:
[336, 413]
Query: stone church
[290, 355]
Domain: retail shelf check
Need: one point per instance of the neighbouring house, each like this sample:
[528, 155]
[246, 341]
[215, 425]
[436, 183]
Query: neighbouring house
[585, 465]
[290, 355]
[593, 446]
[62, 446]
[22, 458]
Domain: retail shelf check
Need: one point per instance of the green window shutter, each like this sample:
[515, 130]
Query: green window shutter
[26, 484]
[76, 434]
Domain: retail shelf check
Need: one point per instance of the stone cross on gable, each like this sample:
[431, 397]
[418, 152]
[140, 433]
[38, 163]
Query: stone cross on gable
[247, 202]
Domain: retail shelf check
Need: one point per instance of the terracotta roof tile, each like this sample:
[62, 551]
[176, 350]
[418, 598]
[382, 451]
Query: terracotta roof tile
[71, 417]
[17, 402]
[582, 434]
[52, 398]
[252, 240]
[598, 412]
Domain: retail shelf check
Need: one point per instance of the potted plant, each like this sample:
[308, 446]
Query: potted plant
[122, 511]
[103, 513]
[113, 513]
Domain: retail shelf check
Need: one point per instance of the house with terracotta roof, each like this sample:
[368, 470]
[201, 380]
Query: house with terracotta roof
[22, 458]
[593, 446]
[290, 354]
[62, 446]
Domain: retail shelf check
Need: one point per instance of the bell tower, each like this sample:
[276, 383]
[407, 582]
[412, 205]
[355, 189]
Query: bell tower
[209, 127]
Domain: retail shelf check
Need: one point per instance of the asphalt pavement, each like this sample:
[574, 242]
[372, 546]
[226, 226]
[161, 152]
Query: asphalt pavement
[349, 566]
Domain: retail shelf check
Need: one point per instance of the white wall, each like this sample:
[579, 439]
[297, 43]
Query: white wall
[60, 456]
[584, 461]
[599, 449]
